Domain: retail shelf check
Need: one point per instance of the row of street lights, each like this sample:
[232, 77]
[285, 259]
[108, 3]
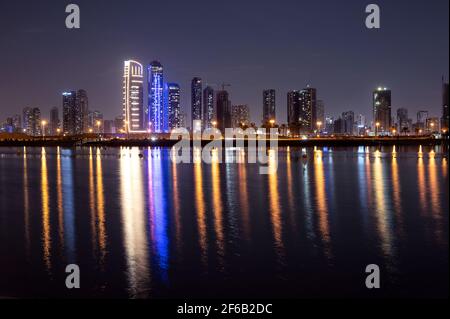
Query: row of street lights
[58, 130]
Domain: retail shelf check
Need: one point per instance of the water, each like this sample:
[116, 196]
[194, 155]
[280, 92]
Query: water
[148, 228]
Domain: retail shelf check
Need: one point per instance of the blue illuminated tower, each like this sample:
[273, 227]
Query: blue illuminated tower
[158, 115]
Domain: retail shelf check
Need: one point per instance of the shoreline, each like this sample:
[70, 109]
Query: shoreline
[282, 142]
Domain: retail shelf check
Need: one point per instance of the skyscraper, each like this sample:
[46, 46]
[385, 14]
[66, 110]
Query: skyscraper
[240, 115]
[320, 113]
[209, 113]
[133, 96]
[223, 109]
[196, 95]
[172, 101]
[307, 116]
[54, 121]
[445, 100]
[382, 110]
[36, 129]
[348, 122]
[402, 120]
[81, 112]
[27, 118]
[293, 111]
[269, 106]
[158, 115]
[119, 124]
[422, 117]
[69, 109]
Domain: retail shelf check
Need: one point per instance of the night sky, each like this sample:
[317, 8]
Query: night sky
[251, 45]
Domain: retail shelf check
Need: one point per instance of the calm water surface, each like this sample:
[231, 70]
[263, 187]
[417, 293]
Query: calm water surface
[143, 227]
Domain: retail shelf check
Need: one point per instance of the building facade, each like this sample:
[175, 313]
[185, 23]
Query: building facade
[269, 106]
[54, 121]
[158, 120]
[209, 112]
[223, 108]
[196, 99]
[240, 116]
[172, 101]
[133, 97]
[382, 110]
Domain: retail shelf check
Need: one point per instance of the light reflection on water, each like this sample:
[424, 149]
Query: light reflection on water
[143, 226]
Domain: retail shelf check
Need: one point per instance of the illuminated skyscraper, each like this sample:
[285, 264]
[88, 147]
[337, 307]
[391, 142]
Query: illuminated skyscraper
[382, 109]
[158, 116]
[308, 117]
[172, 104]
[69, 106]
[269, 107]
[209, 113]
[133, 97]
[75, 108]
[240, 116]
[196, 96]
[27, 118]
[36, 128]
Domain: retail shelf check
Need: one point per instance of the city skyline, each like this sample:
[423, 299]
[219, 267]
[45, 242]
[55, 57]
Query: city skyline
[412, 73]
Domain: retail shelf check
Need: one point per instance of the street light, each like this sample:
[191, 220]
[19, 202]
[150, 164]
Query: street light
[98, 126]
[272, 122]
[58, 130]
[377, 124]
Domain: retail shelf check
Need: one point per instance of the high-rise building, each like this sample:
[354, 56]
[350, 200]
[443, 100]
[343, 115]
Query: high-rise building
[36, 128]
[17, 123]
[329, 125]
[223, 109]
[183, 120]
[402, 120]
[27, 117]
[432, 125]
[320, 112]
[293, 112]
[81, 112]
[108, 126]
[209, 113]
[158, 115]
[75, 106]
[119, 124]
[422, 117]
[269, 106]
[69, 111]
[54, 121]
[382, 110]
[172, 101]
[307, 113]
[95, 121]
[196, 96]
[240, 116]
[338, 126]
[133, 97]
[348, 122]
[445, 101]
